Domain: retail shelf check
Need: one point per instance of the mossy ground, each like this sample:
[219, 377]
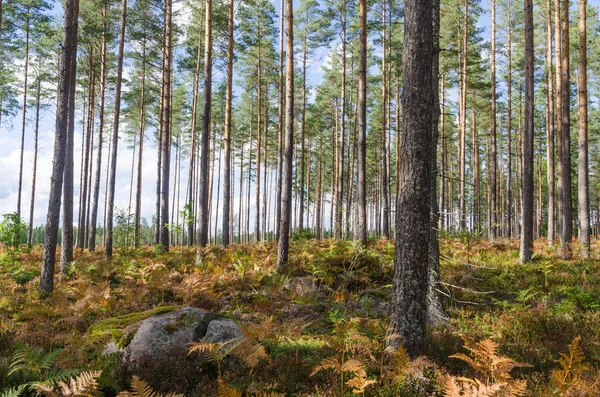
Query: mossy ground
[532, 311]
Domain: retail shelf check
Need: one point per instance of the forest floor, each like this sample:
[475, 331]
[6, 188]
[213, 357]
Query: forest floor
[327, 342]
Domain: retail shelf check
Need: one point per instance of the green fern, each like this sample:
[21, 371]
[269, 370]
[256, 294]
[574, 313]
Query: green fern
[29, 360]
[13, 392]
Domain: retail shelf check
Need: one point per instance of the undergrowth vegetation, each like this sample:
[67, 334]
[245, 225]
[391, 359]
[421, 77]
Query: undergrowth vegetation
[514, 329]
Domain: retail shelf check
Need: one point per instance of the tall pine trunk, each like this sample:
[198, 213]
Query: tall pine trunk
[115, 137]
[550, 128]
[193, 136]
[24, 112]
[81, 232]
[68, 57]
[493, 177]
[286, 180]
[228, 102]
[96, 194]
[583, 193]
[527, 196]
[361, 186]
[408, 308]
[165, 143]
[138, 192]
[435, 311]
[340, 166]
[385, 180]
[205, 138]
[280, 127]
[566, 214]
[35, 156]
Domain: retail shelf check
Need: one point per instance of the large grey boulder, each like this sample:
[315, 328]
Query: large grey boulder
[169, 335]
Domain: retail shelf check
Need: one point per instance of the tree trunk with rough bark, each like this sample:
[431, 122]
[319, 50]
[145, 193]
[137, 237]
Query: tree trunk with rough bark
[408, 308]
[493, 177]
[67, 79]
[583, 193]
[96, 194]
[527, 196]
[286, 181]
[24, 112]
[205, 138]
[165, 134]
[361, 186]
[550, 129]
[566, 214]
[228, 102]
[115, 137]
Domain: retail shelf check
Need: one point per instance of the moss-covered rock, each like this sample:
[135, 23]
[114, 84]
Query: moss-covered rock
[121, 328]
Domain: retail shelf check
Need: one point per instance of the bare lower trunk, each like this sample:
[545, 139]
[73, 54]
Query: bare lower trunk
[435, 311]
[138, 192]
[67, 79]
[286, 188]
[408, 308]
[583, 193]
[205, 139]
[24, 114]
[280, 138]
[228, 100]
[566, 215]
[165, 143]
[81, 232]
[492, 177]
[550, 130]
[35, 156]
[528, 131]
[96, 194]
[115, 137]
[67, 220]
[361, 186]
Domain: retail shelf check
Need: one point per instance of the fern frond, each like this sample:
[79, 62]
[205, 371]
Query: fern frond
[141, 388]
[354, 366]
[327, 363]
[46, 390]
[227, 391]
[572, 365]
[81, 385]
[451, 387]
[250, 353]
[12, 392]
[360, 383]
[203, 347]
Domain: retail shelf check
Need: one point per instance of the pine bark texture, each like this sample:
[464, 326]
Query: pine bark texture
[228, 101]
[583, 193]
[361, 186]
[566, 214]
[68, 56]
[527, 196]
[115, 136]
[286, 188]
[408, 309]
